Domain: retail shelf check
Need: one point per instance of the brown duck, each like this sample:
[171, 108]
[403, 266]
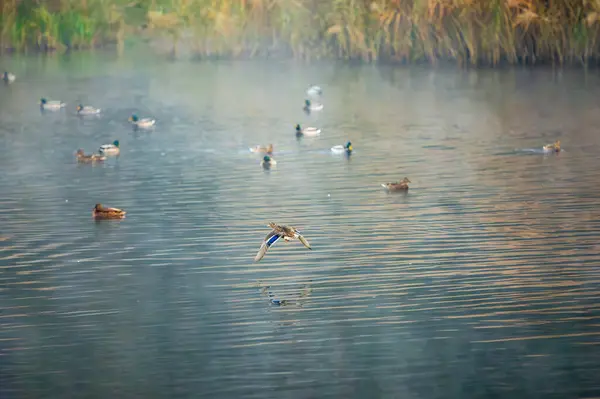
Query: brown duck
[288, 233]
[82, 158]
[265, 150]
[398, 186]
[100, 212]
[552, 147]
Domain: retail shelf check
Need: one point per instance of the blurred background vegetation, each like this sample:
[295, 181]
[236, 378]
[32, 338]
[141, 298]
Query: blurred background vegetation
[466, 31]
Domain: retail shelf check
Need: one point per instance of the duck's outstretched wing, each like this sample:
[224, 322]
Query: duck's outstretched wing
[303, 241]
[269, 240]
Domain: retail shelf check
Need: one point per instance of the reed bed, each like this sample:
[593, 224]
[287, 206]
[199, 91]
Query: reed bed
[470, 32]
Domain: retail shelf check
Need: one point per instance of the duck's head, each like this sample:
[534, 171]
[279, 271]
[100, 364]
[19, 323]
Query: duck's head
[405, 180]
[307, 103]
[5, 75]
[98, 207]
[43, 100]
[133, 118]
[267, 158]
[557, 144]
[79, 152]
[79, 107]
[298, 128]
[349, 146]
[116, 143]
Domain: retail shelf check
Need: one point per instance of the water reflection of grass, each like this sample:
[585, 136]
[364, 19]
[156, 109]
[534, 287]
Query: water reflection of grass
[467, 31]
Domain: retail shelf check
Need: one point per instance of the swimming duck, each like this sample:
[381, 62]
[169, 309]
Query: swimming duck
[143, 123]
[552, 147]
[314, 91]
[267, 162]
[82, 158]
[87, 110]
[53, 105]
[338, 149]
[110, 149]
[307, 131]
[100, 212]
[8, 77]
[278, 231]
[402, 185]
[309, 106]
[268, 149]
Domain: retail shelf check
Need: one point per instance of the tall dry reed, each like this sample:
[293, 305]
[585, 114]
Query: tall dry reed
[472, 32]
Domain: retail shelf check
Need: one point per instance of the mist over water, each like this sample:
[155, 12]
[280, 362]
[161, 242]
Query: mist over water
[481, 281]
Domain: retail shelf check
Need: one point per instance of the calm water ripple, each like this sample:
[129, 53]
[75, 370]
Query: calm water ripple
[482, 281]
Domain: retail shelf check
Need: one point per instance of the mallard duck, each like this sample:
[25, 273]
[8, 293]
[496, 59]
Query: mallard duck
[307, 131]
[267, 150]
[552, 147]
[82, 158]
[267, 162]
[402, 185]
[100, 212]
[278, 231]
[314, 91]
[338, 149]
[309, 106]
[110, 149]
[143, 123]
[8, 77]
[45, 104]
[87, 110]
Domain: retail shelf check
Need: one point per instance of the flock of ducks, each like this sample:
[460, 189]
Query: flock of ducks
[288, 233]
[105, 150]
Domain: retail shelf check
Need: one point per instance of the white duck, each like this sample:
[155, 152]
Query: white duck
[340, 149]
[110, 149]
[143, 123]
[87, 110]
[307, 131]
[310, 106]
[8, 77]
[51, 105]
[314, 91]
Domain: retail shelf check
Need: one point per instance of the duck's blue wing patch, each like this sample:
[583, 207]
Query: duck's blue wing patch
[273, 239]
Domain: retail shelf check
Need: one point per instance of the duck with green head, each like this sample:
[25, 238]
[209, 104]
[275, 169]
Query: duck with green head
[87, 110]
[110, 149]
[307, 131]
[51, 105]
[267, 162]
[310, 106]
[340, 149]
[141, 122]
[8, 77]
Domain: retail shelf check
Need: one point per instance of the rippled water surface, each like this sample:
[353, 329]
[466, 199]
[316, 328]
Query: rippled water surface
[482, 281]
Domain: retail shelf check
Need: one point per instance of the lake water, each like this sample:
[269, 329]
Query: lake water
[482, 281]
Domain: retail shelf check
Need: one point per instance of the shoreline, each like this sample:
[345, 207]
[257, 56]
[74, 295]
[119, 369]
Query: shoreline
[282, 56]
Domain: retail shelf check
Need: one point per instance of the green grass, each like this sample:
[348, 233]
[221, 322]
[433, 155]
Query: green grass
[469, 32]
